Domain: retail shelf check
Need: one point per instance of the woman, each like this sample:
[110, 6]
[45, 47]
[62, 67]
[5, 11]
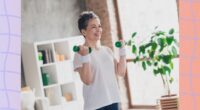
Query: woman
[99, 68]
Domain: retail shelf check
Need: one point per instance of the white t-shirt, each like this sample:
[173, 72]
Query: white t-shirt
[104, 89]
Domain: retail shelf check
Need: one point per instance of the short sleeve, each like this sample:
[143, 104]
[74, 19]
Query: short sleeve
[110, 52]
[76, 61]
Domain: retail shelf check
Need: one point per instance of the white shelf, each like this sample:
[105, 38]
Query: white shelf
[72, 105]
[57, 62]
[57, 57]
[44, 46]
[47, 51]
[51, 85]
[48, 64]
[68, 88]
[65, 71]
[54, 94]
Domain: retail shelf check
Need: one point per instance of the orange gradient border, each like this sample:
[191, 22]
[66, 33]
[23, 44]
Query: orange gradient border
[189, 20]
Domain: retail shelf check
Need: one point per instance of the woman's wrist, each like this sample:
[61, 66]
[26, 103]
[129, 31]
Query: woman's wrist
[122, 52]
[85, 59]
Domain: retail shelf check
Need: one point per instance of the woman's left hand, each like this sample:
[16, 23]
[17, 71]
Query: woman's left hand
[122, 42]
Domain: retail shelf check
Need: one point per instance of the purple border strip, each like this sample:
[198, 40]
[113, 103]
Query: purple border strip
[13, 16]
[11, 96]
[11, 35]
[4, 76]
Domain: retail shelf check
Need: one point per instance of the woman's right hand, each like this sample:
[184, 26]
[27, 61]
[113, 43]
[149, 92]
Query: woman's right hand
[84, 50]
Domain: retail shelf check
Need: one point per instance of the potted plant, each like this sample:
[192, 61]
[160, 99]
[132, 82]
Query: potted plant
[157, 53]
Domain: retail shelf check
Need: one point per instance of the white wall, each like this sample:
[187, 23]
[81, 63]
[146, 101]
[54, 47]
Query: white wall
[50, 19]
[142, 16]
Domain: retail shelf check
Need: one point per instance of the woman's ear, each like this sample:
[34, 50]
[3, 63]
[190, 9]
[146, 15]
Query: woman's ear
[83, 32]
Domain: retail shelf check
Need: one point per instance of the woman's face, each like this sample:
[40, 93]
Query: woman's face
[94, 30]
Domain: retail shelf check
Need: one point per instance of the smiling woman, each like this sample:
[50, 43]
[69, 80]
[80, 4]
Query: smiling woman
[99, 68]
[90, 27]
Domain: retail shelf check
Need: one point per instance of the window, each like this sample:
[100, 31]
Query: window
[142, 16]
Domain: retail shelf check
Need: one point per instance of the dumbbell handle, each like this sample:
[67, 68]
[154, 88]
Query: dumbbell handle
[77, 48]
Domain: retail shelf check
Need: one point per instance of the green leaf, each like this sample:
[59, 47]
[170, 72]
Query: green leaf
[142, 49]
[169, 40]
[171, 31]
[136, 59]
[161, 71]
[160, 33]
[133, 35]
[159, 57]
[161, 42]
[147, 45]
[148, 63]
[144, 65]
[151, 54]
[129, 43]
[155, 72]
[155, 63]
[171, 65]
[153, 46]
[152, 37]
[166, 59]
[167, 69]
[155, 27]
[171, 80]
[134, 49]
[174, 51]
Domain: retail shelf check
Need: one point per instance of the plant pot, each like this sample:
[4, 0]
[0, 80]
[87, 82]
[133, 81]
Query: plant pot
[168, 102]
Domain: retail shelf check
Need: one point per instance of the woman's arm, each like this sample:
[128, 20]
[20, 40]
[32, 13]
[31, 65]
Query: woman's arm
[85, 71]
[121, 66]
[86, 74]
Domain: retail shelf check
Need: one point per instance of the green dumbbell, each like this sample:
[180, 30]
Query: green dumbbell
[118, 44]
[77, 48]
